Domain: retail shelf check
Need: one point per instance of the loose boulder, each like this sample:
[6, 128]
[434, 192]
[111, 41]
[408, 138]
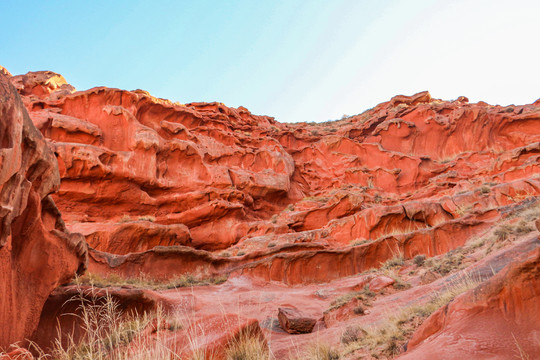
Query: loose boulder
[295, 322]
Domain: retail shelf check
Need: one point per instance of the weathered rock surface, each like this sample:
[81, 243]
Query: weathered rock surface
[37, 253]
[414, 175]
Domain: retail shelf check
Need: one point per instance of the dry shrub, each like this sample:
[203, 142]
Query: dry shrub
[419, 260]
[322, 351]
[247, 346]
[144, 281]
[352, 334]
[109, 333]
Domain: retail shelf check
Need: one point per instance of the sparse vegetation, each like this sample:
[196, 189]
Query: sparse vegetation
[419, 260]
[247, 346]
[462, 210]
[389, 337]
[485, 189]
[108, 332]
[322, 351]
[351, 334]
[370, 183]
[359, 310]
[125, 219]
[147, 218]
[508, 232]
[447, 263]
[520, 352]
[503, 231]
[396, 261]
[365, 295]
[359, 242]
[143, 281]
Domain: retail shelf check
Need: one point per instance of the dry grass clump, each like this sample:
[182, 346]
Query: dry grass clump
[110, 334]
[389, 337]
[462, 210]
[419, 260]
[147, 218]
[448, 263]
[520, 352]
[319, 351]
[247, 346]
[484, 189]
[359, 310]
[125, 219]
[359, 242]
[396, 261]
[143, 281]
[365, 295]
[508, 233]
[351, 334]
[398, 284]
[503, 232]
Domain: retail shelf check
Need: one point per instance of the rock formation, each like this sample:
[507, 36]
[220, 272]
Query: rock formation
[165, 189]
[37, 253]
[415, 175]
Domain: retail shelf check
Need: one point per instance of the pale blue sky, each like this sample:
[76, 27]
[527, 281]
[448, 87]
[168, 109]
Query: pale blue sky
[295, 60]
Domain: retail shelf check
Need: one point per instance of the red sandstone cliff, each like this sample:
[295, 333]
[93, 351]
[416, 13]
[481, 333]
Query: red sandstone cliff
[37, 253]
[138, 172]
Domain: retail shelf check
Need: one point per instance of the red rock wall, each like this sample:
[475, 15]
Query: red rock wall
[37, 253]
[423, 174]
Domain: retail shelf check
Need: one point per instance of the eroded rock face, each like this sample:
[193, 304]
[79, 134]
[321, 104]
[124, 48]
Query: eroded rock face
[37, 253]
[414, 175]
[206, 166]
